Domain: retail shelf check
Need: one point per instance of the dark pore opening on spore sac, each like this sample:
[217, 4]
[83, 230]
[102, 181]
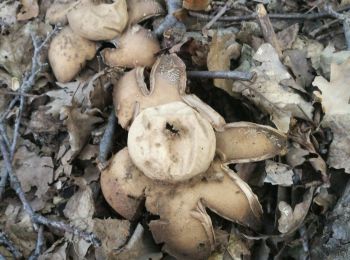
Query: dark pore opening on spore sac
[171, 128]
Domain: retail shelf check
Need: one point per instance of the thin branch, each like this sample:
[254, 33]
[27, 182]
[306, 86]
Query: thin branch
[238, 75]
[221, 12]
[36, 218]
[287, 16]
[345, 18]
[8, 153]
[169, 20]
[7, 243]
[39, 244]
[106, 143]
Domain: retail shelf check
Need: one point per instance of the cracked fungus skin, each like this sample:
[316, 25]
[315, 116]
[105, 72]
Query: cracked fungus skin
[171, 142]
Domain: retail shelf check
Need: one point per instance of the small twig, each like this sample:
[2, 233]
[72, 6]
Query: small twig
[106, 143]
[218, 15]
[36, 218]
[267, 29]
[9, 246]
[288, 16]
[238, 75]
[169, 20]
[323, 27]
[4, 92]
[345, 18]
[39, 244]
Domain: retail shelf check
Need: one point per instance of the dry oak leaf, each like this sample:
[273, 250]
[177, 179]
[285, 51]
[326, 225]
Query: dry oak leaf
[79, 125]
[279, 101]
[16, 48]
[33, 171]
[335, 101]
[222, 49]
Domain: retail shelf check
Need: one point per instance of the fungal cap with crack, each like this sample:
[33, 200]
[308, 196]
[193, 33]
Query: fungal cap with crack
[196, 5]
[68, 53]
[243, 142]
[123, 185]
[140, 10]
[98, 22]
[184, 225]
[136, 47]
[131, 94]
[171, 142]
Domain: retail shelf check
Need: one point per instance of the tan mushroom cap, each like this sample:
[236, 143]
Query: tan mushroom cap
[171, 142]
[57, 12]
[123, 185]
[136, 47]
[140, 10]
[185, 227]
[131, 94]
[247, 142]
[196, 5]
[68, 54]
[98, 22]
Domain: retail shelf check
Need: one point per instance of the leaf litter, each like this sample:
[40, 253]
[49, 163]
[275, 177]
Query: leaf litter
[282, 142]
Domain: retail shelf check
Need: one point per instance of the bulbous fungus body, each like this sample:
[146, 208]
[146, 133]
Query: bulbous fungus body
[196, 5]
[171, 142]
[131, 94]
[68, 54]
[140, 10]
[98, 22]
[136, 47]
[123, 185]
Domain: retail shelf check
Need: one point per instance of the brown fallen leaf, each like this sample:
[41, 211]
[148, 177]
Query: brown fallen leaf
[29, 9]
[114, 233]
[287, 36]
[335, 102]
[79, 125]
[223, 48]
[280, 102]
[33, 170]
[16, 47]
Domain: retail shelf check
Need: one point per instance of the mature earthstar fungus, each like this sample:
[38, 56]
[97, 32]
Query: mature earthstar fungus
[176, 163]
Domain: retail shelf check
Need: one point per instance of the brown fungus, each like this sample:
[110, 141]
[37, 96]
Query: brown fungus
[171, 142]
[132, 95]
[136, 47]
[98, 22]
[68, 54]
[243, 142]
[140, 10]
[184, 226]
[123, 185]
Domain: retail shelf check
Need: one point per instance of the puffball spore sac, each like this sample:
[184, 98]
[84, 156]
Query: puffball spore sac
[171, 142]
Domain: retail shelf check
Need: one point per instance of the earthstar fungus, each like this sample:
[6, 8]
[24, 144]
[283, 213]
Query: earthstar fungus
[176, 161]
